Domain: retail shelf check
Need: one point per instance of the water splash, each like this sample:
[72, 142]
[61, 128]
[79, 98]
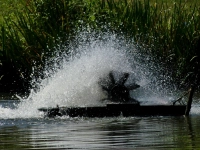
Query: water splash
[75, 81]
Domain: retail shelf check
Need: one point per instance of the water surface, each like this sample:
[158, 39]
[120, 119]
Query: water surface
[99, 133]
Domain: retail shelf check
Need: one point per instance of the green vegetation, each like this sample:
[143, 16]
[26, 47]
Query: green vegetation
[168, 30]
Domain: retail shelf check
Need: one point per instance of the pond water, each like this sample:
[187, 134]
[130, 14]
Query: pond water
[99, 133]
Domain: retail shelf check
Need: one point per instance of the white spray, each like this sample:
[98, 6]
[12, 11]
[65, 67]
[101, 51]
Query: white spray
[76, 82]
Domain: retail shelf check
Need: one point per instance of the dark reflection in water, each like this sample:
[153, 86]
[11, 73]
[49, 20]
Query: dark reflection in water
[87, 133]
[101, 133]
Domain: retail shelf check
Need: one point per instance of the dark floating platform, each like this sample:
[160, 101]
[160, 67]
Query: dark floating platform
[114, 110]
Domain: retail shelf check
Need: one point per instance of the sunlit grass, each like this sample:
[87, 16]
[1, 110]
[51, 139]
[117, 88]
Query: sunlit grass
[169, 30]
[7, 7]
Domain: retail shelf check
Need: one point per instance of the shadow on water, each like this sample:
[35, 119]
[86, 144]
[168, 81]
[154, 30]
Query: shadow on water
[192, 130]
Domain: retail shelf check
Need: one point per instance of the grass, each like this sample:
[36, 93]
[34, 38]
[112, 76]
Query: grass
[168, 30]
[8, 7]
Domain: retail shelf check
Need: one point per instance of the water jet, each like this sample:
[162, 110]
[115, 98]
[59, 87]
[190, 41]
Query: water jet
[99, 82]
[119, 103]
[98, 78]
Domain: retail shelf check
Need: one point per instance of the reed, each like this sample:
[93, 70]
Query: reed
[169, 31]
